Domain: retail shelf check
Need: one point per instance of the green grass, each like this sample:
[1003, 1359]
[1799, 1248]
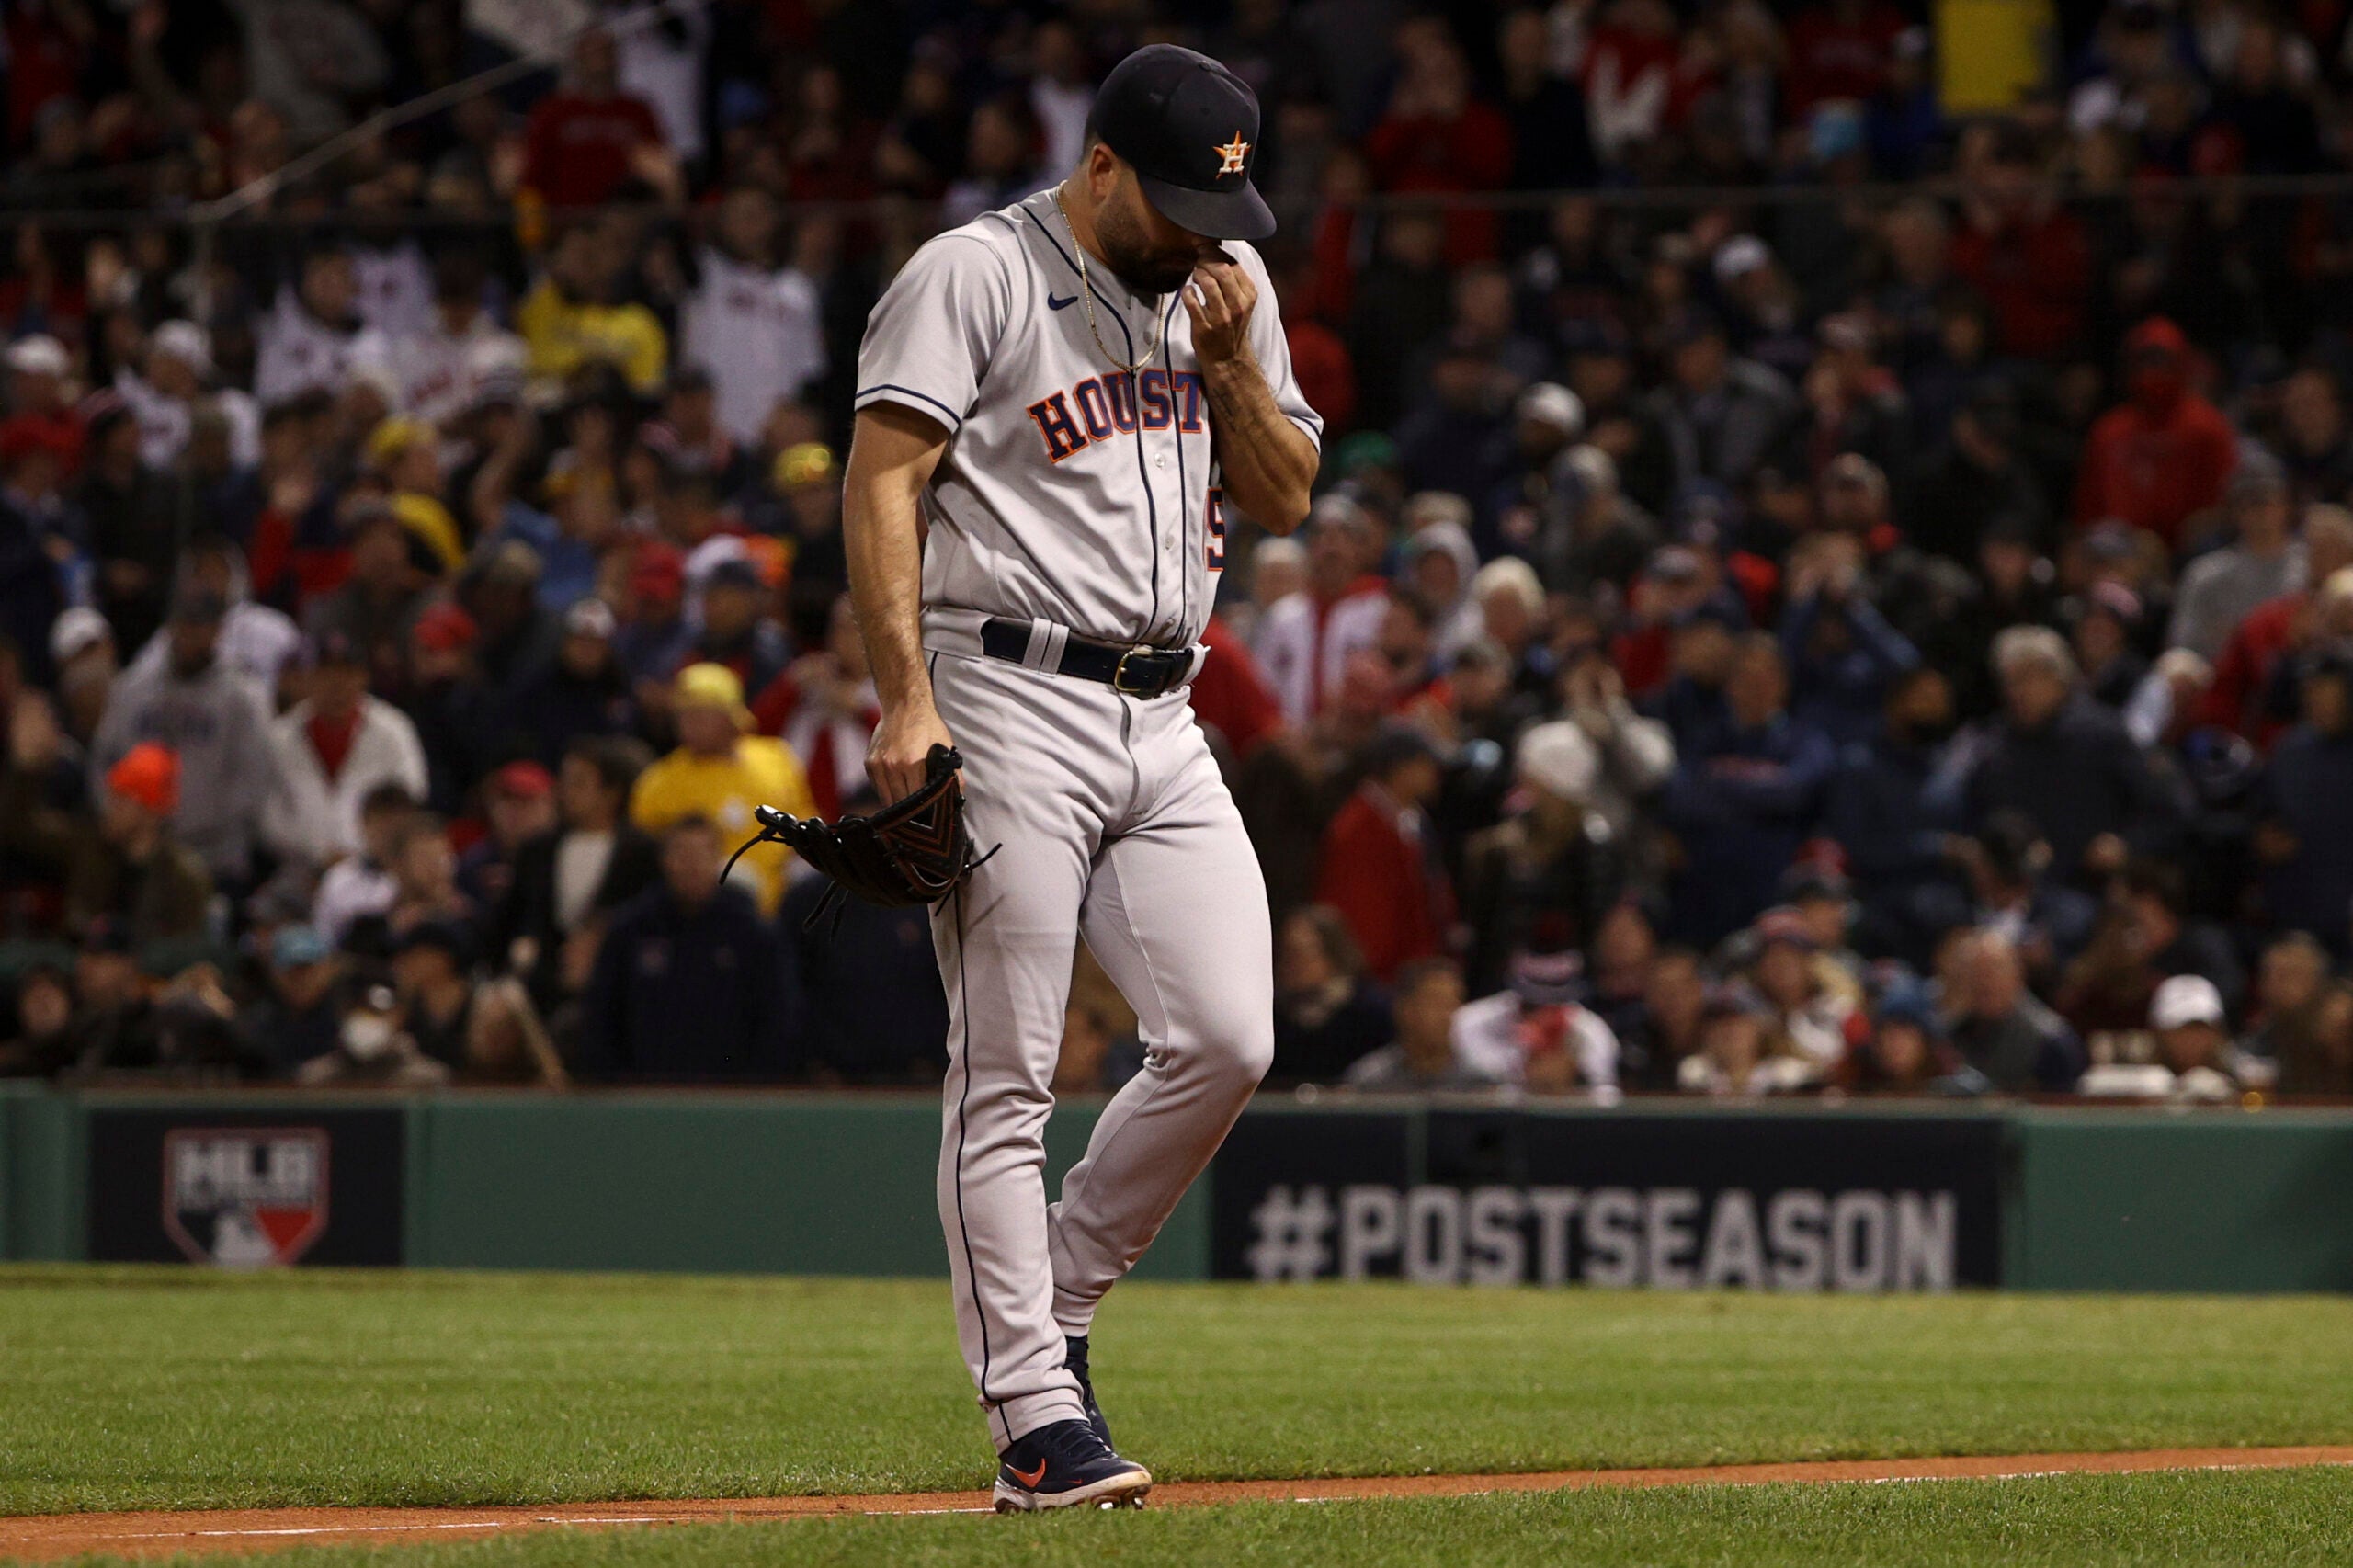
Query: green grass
[2287, 1519]
[162, 1388]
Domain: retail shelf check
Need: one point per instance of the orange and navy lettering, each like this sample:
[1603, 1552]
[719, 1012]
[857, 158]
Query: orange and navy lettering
[1052, 415]
[1154, 399]
[1151, 390]
[1093, 408]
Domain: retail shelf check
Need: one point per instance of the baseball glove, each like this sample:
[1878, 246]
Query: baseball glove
[913, 851]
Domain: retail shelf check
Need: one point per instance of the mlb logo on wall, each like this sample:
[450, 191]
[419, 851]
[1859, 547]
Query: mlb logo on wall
[246, 1197]
[243, 1183]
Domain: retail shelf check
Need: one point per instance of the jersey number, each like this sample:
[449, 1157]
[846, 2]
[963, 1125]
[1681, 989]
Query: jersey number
[1214, 529]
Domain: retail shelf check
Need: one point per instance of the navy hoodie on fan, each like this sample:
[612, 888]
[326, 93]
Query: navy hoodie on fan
[30, 598]
[686, 995]
[2077, 776]
[1881, 808]
[1742, 805]
[875, 1010]
[2310, 780]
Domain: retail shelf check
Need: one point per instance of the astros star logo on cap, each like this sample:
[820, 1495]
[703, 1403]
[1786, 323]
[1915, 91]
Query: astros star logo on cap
[1186, 125]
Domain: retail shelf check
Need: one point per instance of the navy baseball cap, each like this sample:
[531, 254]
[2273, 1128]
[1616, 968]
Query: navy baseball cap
[1189, 128]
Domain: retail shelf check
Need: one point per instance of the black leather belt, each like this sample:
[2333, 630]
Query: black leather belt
[1131, 669]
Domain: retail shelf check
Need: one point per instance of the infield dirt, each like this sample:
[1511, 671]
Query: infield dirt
[55, 1536]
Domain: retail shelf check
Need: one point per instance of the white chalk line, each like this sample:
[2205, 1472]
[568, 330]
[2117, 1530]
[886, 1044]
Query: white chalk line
[544, 1521]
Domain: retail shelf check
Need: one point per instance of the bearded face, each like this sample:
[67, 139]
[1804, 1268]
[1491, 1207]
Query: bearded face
[1148, 253]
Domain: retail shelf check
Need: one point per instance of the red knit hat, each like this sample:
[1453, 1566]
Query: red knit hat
[445, 629]
[149, 773]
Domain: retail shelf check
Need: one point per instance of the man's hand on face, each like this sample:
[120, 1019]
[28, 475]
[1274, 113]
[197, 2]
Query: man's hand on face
[1219, 299]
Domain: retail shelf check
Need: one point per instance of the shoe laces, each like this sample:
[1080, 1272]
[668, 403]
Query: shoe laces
[1071, 1443]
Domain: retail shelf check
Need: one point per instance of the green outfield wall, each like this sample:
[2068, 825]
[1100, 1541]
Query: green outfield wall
[2214, 1200]
[769, 1183]
[1650, 1194]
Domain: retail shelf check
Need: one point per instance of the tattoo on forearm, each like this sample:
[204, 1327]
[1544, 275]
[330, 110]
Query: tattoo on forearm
[1256, 443]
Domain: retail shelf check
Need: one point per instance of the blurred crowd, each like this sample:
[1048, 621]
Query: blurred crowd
[1786, 636]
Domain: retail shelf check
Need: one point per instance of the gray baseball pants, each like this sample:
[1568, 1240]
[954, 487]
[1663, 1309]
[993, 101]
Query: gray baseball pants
[1113, 822]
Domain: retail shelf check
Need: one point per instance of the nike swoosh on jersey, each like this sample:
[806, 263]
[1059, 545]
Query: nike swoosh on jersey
[1055, 304]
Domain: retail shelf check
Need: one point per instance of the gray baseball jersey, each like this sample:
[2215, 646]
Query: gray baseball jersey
[1068, 493]
[1084, 500]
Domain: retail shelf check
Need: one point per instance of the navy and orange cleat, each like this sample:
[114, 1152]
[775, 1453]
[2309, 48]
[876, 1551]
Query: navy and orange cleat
[1066, 1465]
[1074, 1360]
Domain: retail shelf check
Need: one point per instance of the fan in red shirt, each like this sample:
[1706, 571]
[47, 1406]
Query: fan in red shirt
[40, 415]
[1231, 693]
[1840, 50]
[2018, 246]
[587, 139]
[48, 50]
[2163, 455]
[830, 154]
[1380, 868]
[2241, 696]
[824, 707]
[1436, 138]
[1327, 285]
[36, 455]
[1637, 77]
[1319, 360]
[1303, 638]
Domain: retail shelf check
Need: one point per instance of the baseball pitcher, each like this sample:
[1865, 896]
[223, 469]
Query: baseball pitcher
[1056, 403]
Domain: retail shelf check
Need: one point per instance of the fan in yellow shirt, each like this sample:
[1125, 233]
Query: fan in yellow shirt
[570, 318]
[720, 772]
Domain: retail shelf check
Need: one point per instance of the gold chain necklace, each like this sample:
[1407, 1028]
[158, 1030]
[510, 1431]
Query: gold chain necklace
[1087, 297]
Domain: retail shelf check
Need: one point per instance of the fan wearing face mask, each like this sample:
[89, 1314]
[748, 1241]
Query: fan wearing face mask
[373, 1049]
